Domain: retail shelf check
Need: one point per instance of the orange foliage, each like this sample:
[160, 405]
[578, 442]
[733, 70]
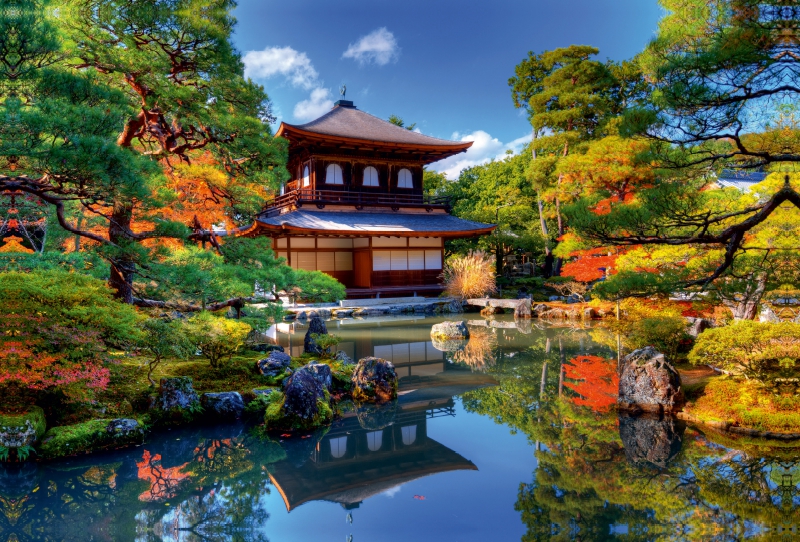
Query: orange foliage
[591, 265]
[163, 481]
[597, 383]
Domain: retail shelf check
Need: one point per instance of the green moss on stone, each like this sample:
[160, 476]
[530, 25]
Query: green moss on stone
[82, 438]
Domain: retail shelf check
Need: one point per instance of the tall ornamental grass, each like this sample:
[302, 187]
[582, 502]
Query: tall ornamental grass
[470, 276]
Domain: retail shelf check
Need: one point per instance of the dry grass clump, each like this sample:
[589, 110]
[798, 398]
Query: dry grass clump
[470, 276]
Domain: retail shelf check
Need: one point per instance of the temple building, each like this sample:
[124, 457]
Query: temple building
[355, 207]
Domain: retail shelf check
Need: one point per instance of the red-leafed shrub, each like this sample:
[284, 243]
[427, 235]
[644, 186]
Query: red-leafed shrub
[595, 381]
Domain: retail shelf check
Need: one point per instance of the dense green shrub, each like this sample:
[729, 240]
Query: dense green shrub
[761, 351]
[216, 338]
[664, 333]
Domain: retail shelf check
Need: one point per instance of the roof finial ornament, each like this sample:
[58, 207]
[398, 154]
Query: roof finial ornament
[343, 90]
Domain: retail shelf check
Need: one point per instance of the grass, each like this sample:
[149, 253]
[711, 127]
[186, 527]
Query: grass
[747, 404]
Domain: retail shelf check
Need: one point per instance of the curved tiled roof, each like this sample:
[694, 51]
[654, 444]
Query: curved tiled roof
[358, 222]
[349, 122]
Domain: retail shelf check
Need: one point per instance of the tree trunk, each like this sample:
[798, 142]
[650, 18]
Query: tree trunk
[123, 267]
[746, 308]
[563, 357]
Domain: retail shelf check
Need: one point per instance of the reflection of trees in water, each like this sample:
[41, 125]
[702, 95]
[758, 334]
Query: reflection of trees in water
[211, 489]
[479, 352]
[644, 479]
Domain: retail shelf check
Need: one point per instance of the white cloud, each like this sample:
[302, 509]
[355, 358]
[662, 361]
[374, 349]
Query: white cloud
[293, 65]
[379, 46]
[392, 491]
[484, 149]
[316, 105]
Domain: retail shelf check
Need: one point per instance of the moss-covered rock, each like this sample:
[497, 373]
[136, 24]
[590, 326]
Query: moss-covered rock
[23, 429]
[90, 436]
[279, 415]
[374, 380]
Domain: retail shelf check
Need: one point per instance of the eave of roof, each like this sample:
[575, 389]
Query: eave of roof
[360, 224]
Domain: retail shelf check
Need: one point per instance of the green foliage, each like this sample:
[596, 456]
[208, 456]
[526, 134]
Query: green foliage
[216, 338]
[326, 341]
[71, 299]
[317, 287]
[760, 351]
[665, 333]
[164, 338]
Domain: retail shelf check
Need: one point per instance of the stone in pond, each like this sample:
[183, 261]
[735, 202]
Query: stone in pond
[228, 405]
[301, 393]
[176, 393]
[649, 382]
[315, 327]
[374, 379]
[448, 331]
[273, 365]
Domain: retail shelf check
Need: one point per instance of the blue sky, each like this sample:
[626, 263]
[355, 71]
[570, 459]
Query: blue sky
[442, 64]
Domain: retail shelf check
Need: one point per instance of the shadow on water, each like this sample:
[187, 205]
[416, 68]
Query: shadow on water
[597, 475]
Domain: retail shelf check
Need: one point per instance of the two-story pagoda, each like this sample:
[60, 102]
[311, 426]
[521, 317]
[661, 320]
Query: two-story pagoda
[355, 207]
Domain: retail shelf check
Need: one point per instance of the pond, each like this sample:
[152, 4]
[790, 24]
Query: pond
[512, 438]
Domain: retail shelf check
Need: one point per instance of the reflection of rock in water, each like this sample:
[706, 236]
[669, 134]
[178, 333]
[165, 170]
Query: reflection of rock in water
[453, 345]
[648, 439]
[17, 480]
[373, 417]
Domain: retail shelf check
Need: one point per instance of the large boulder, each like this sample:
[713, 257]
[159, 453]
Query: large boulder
[301, 394]
[273, 365]
[651, 439]
[315, 327]
[448, 331]
[374, 379]
[322, 372]
[649, 382]
[177, 393]
[227, 405]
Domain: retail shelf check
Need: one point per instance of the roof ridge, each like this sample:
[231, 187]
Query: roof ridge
[335, 122]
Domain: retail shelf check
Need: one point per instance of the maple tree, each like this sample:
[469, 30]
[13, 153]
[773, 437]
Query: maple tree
[597, 382]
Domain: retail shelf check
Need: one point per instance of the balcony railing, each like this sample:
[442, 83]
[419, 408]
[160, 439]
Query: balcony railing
[321, 198]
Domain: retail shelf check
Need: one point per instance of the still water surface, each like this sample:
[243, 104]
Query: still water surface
[512, 438]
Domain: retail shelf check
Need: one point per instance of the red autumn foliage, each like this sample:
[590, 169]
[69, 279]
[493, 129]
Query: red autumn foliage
[590, 265]
[597, 382]
[37, 354]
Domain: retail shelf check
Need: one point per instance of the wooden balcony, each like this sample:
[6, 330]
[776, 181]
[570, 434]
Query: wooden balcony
[320, 198]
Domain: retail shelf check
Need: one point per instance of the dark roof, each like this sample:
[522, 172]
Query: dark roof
[349, 122]
[742, 180]
[392, 223]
